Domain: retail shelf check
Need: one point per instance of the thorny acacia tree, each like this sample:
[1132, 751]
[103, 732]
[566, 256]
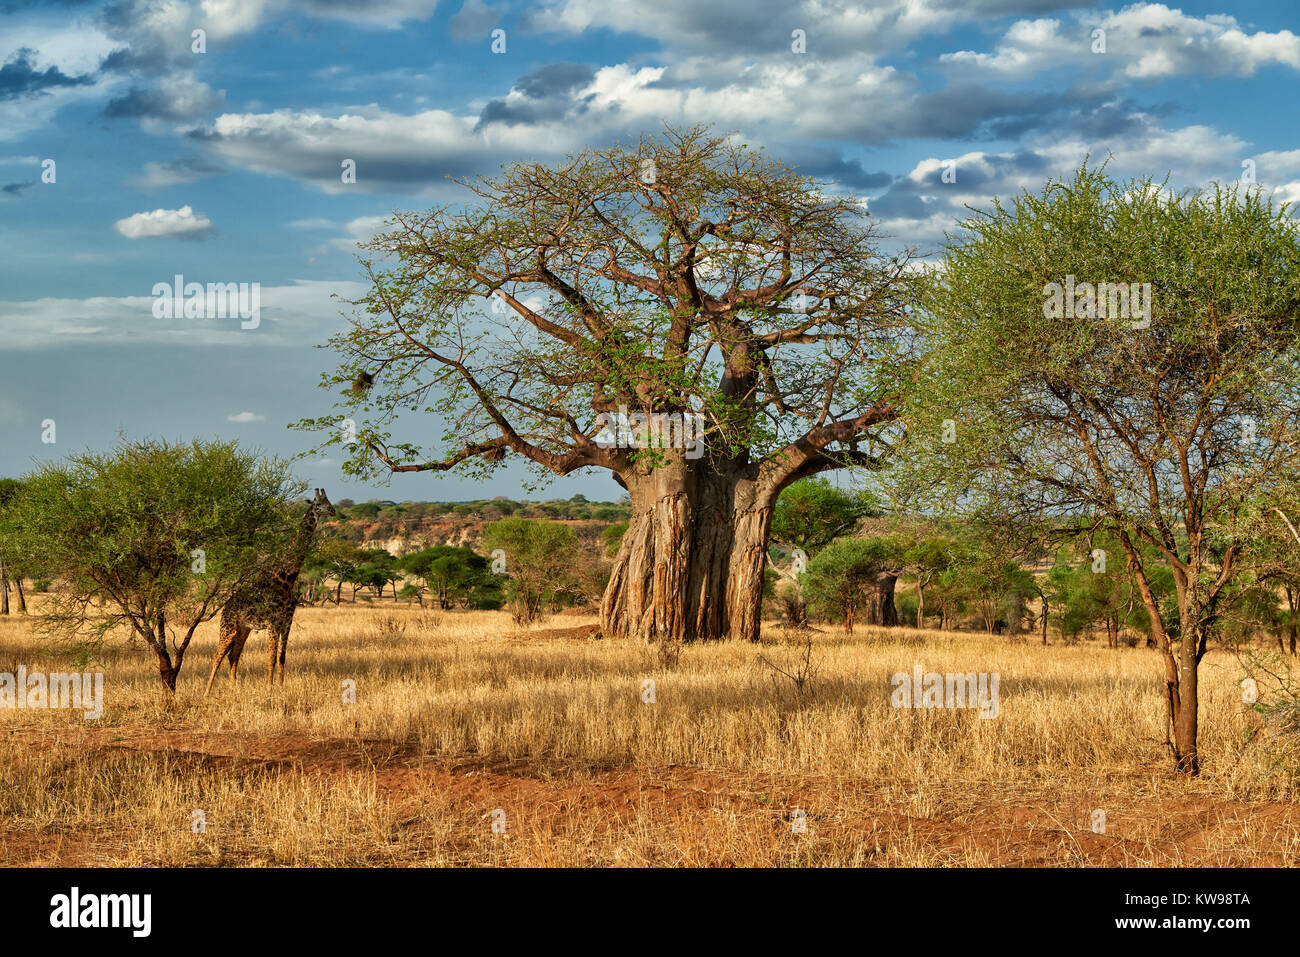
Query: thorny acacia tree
[1165, 435]
[9, 489]
[150, 540]
[681, 274]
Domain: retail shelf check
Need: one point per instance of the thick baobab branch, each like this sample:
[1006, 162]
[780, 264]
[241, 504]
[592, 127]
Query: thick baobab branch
[560, 464]
[808, 455]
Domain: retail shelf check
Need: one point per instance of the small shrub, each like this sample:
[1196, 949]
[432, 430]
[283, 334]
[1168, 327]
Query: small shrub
[389, 627]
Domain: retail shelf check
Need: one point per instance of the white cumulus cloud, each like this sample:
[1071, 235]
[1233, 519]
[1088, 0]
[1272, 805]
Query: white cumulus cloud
[183, 222]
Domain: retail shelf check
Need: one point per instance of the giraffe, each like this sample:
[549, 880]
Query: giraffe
[270, 603]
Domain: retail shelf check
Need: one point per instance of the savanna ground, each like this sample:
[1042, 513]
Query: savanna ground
[458, 715]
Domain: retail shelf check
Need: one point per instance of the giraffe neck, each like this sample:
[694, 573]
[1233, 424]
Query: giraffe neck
[302, 542]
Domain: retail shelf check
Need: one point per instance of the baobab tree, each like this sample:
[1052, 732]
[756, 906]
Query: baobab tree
[684, 312]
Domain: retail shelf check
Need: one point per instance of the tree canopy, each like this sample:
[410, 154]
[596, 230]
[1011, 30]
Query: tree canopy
[1123, 358]
[150, 539]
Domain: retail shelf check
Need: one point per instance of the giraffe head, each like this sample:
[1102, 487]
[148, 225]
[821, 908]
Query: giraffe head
[320, 506]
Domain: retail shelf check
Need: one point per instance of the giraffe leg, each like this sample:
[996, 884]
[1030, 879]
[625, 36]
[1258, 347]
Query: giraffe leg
[225, 642]
[235, 651]
[270, 660]
[283, 636]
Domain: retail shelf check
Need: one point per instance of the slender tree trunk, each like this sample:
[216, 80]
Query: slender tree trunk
[1182, 701]
[167, 672]
[1185, 698]
[920, 605]
[1290, 604]
[1188, 649]
[690, 566]
[799, 618]
[1182, 657]
[168, 669]
[22, 599]
[4, 589]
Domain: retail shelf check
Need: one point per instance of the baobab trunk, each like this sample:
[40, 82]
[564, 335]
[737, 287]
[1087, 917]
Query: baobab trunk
[881, 609]
[691, 563]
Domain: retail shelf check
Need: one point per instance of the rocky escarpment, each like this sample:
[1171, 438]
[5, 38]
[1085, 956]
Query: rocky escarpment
[401, 538]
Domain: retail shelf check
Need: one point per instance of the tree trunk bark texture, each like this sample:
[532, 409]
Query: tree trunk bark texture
[691, 563]
[881, 610]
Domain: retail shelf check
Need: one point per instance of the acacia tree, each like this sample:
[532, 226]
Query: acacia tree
[338, 558]
[452, 573]
[999, 588]
[539, 558]
[376, 570]
[1160, 427]
[809, 515]
[927, 559]
[150, 540]
[854, 577]
[9, 489]
[812, 513]
[686, 278]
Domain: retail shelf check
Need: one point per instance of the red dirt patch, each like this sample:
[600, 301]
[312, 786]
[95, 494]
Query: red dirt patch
[556, 804]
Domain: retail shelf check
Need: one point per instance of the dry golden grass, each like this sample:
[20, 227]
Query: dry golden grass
[457, 715]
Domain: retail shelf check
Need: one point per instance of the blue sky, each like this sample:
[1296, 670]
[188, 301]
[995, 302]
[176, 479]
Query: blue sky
[224, 166]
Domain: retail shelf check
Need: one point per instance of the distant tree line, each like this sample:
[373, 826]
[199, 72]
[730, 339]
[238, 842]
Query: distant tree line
[836, 559]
